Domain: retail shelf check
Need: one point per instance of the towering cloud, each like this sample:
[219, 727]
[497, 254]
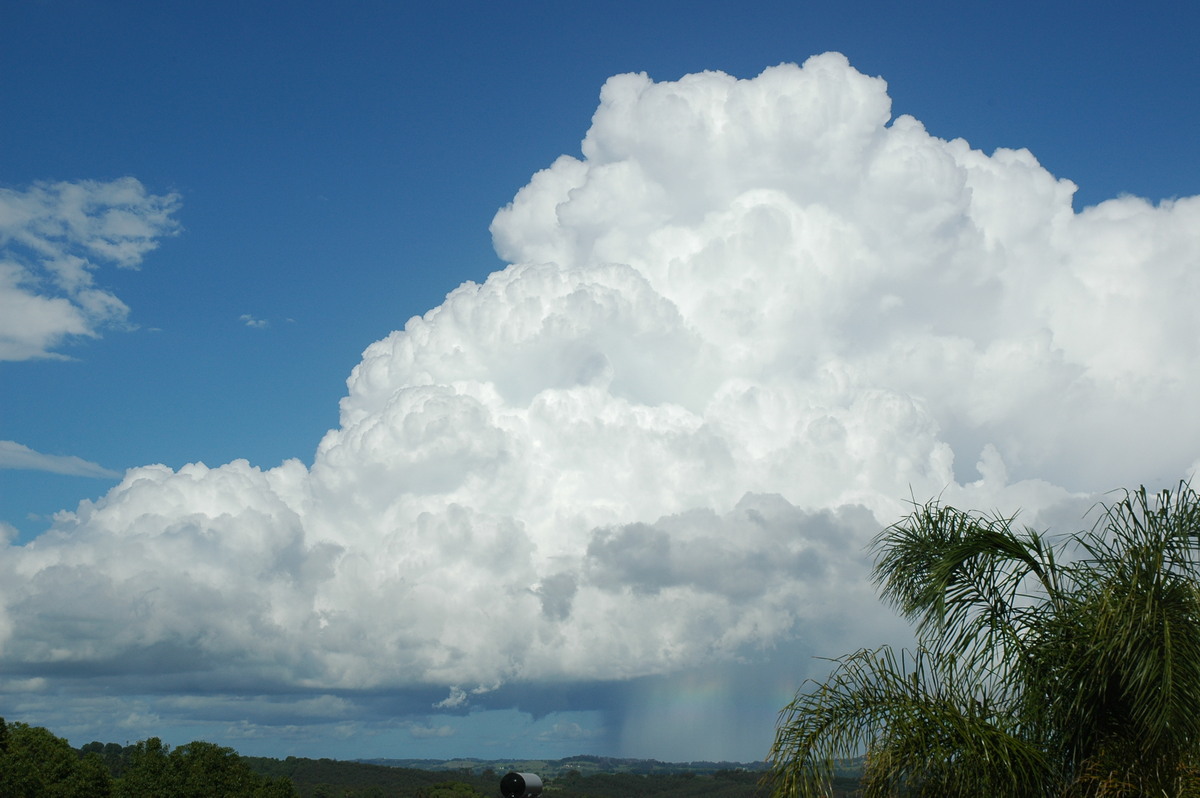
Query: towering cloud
[737, 335]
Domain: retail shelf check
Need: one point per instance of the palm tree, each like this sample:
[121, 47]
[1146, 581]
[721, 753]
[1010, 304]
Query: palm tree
[1067, 668]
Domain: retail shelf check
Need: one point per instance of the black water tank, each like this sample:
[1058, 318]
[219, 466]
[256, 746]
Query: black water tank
[520, 785]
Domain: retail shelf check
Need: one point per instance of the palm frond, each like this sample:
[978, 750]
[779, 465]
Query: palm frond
[1035, 674]
[919, 724]
[964, 578]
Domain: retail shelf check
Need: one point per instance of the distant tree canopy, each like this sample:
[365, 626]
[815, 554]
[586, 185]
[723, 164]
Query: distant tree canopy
[1066, 669]
[451, 789]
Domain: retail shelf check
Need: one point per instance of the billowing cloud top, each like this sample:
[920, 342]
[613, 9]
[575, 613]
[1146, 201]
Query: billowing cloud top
[736, 336]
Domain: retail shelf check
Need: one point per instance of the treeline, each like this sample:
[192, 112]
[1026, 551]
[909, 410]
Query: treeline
[36, 764]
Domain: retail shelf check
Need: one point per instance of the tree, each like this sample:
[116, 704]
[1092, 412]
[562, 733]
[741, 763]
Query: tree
[148, 772]
[1069, 668]
[196, 770]
[205, 769]
[35, 763]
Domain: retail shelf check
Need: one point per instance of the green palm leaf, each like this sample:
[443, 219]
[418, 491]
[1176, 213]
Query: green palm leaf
[1036, 673]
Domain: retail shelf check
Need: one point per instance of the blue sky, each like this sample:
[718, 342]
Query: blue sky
[333, 170]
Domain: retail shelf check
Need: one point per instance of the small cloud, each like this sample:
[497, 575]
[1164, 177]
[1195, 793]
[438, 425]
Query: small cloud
[250, 321]
[17, 456]
[32, 685]
[457, 698]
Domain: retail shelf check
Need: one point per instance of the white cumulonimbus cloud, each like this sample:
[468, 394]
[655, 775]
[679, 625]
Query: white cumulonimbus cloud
[737, 335]
[53, 237]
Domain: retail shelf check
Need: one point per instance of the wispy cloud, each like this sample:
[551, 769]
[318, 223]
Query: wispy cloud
[17, 456]
[569, 730]
[53, 238]
[425, 732]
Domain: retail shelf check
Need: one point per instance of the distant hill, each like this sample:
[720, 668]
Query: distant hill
[574, 777]
[558, 768]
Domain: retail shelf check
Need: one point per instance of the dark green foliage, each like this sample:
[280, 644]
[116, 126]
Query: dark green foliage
[195, 770]
[114, 756]
[451, 789]
[1041, 670]
[148, 771]
[34, 763]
